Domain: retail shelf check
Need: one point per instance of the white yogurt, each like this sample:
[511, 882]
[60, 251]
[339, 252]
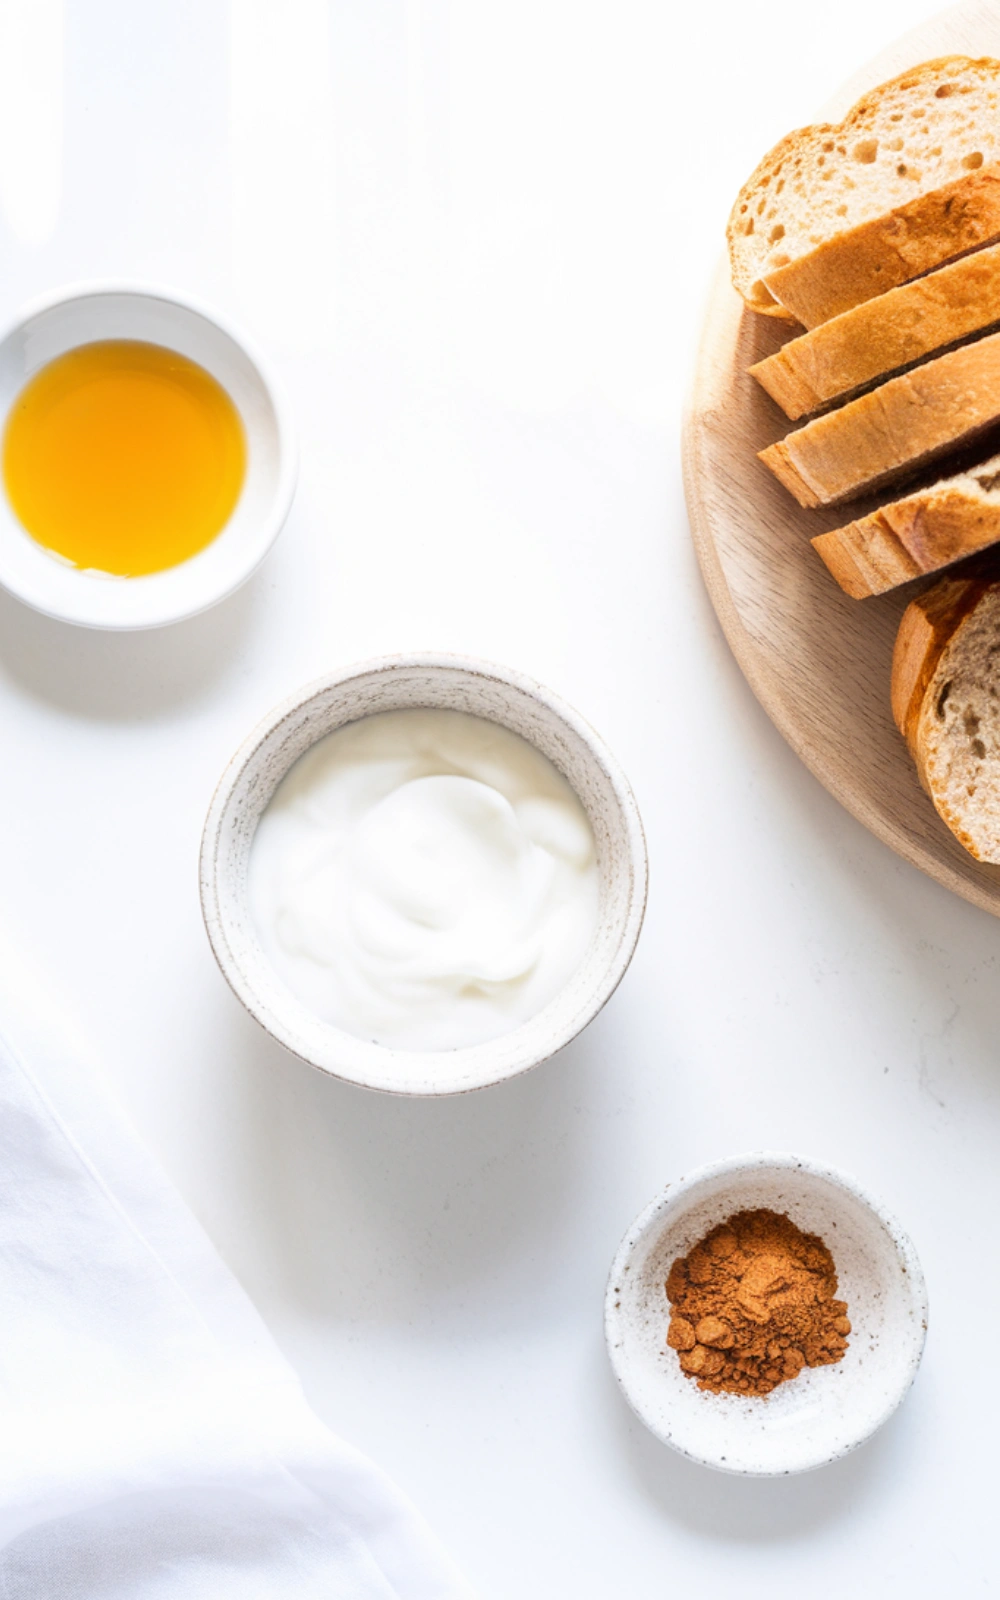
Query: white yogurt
[425, 879]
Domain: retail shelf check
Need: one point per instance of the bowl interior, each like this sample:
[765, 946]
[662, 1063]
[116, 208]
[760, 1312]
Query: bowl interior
[826, 1411]
[256, 772]
[98, 600]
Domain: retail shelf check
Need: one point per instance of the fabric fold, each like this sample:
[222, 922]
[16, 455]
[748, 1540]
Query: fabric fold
[155, 1442]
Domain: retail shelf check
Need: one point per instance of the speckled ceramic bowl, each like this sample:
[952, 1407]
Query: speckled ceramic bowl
[824, 1412]
[391, 684]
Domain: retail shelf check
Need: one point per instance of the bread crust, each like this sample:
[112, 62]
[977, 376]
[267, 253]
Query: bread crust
[926, 629]
[919, 534]
[880, 338]
[866, 557]
[926, 659]
[894, 429]
[890, 250]
[785, 229]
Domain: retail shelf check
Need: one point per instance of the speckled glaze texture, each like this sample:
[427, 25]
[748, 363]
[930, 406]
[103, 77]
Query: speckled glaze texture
[391, 684]
[826, 1411]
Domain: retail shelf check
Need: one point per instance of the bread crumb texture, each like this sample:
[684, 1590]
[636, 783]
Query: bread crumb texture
[929, 127]
[958, 732]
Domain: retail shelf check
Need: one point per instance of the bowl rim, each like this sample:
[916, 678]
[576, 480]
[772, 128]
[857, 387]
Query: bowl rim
[423, 1082]
[287, 446]
[658, 1210]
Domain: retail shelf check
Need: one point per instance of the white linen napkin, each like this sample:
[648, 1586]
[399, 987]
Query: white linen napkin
[154, 1445]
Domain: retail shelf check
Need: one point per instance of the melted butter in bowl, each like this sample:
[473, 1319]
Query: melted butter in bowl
[425, 879]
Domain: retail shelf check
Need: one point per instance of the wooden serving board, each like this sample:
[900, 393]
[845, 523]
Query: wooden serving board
[818, 662]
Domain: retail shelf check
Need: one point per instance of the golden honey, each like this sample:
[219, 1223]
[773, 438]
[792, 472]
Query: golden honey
[123, 457]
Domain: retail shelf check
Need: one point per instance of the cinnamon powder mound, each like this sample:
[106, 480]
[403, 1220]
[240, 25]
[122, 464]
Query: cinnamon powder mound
[753, 1303]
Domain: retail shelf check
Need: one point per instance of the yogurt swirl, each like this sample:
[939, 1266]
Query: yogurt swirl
[424, 879]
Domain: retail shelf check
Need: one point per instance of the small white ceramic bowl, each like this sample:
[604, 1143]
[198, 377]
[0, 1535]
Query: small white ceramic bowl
[391, 684]
[824, 1412]
[89, 312]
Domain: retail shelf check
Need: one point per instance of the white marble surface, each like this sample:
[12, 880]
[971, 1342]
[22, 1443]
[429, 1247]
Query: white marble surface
[475, 241]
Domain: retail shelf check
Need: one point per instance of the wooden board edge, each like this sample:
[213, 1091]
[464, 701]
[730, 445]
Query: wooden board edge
[834, 776]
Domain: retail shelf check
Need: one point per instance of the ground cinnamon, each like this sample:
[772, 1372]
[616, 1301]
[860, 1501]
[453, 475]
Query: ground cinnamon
[753, 1303]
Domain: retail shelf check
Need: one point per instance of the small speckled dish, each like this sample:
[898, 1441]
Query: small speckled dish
[395, 683]
[824, 1412]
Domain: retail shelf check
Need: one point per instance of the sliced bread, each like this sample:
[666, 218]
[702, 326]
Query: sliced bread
[946, 704]
[892, 430]
[914, 238]
[921, 533]
[840, 212]
[875, 340]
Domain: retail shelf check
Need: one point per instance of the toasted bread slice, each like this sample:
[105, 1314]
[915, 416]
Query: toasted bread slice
[921, 533]
[840, 212]
[880, 338]
[946, 704]
[893, 430]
